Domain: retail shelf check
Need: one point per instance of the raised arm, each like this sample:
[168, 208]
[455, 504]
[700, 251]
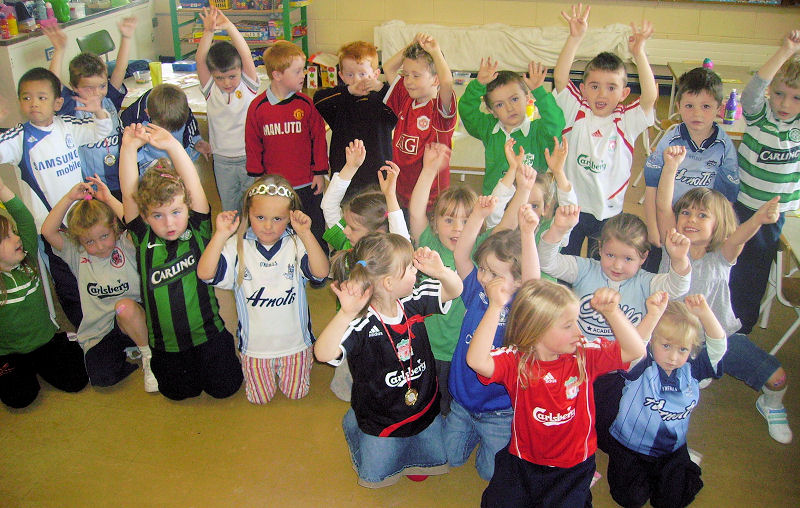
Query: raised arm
[317, 259]
[428, 262]
[767, 214]
[388, 184]
[133, 137]
[526, 177]
[163, 140]
[104, 194]
[352, 298]
[665, 216]
[52, 223]
[636, 44]
[391, 67]
[578, 24]
[606, 301]
[435, 157]
[127, 29]
[58, 39]
[656, 305]
[431, 46]
[528, 221]
[462, 254]
[227, 223]
[209, 18]
[480, 347]
[789, 46]
[716, 339]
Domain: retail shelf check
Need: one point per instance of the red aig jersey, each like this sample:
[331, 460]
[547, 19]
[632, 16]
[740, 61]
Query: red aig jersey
[554, 417]
[285, 138]
[417, 125]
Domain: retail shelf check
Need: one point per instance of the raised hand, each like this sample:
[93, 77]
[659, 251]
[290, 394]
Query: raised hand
[389, 183]
[102, 193]
[485, 206]
[301, 223]
[487, 71]
[605, 301]
[227, 222]
[355, 153]
[160, 138]
[528, 220]
[639, 36]
[435, 157]
[57, 36]
[498, 292]
[536, 74]
[696, 304]
[792, 41]
[555, 160]
[80, 191]
[352, 296]
[769, 211]
[525, 178]
[127, 26]
[578, 21]
[514, 159]
[428, 262]
[92, 104]
[566, 217]
[428, 43]
[677, 245]
[135, 135]
[657, 303]
[674, 155]
[209, 17]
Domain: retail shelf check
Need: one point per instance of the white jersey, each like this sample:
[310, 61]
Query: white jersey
[101, 284]
[600, 151]
[49, 165]
[227, 113]
[271, 301]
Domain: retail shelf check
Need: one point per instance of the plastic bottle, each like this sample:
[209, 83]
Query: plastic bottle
[730, 109]
[708, 64]
[40, 10]
[4, 34]
[12, 25]
[61, 10]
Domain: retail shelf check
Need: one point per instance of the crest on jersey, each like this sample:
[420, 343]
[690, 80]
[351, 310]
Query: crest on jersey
[423, 123]
[117, 258]
[298, 114]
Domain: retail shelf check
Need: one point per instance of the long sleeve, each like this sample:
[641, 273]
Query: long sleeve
[332, 200]
[716, 349]
[550, 124]
[504, 195]
[11, 146]
[397, 224]
[559, 266]
[477, 123]
[675, 285]
[753, 99]
[253, 144]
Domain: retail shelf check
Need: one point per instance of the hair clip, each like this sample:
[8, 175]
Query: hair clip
[167, 175]
[362, 263]
[87, 197]
[271, 190]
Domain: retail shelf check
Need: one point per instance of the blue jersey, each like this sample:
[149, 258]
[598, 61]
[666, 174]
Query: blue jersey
[188, 135]
[713, 164]
[463, 381]
[654, 411]
[101, 157]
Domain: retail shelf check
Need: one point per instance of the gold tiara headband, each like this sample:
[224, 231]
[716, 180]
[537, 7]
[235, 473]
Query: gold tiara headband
[271, 190]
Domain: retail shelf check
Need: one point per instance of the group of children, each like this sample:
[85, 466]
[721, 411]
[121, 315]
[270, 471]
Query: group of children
[455, 327]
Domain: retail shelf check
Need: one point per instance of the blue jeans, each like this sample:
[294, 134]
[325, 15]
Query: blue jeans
[380, 458]
[463, 431]
[747, 362]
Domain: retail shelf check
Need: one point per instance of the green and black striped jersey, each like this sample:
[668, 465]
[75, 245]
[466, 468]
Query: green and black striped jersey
[182, 311]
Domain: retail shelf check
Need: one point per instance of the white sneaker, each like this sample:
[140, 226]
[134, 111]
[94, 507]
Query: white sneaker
[150, 381]
[776, 421]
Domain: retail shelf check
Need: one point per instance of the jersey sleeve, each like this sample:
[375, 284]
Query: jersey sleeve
[225, 276]
[26, 227]
[88, 130]
[253, 142]
[549, 125]
[426, 299]
[328, 101]
[754, 103]
[137, 229]
[11, 146]
[335, 236]
[396, 94]
[569, 100]
[353, 340]
[506, 362]
[475, 121]
[116, 96]
[727, 180]
[603, 356]
[635, 121]
[69, 253]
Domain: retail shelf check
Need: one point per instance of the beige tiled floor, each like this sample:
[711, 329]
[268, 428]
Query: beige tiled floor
[120, 446]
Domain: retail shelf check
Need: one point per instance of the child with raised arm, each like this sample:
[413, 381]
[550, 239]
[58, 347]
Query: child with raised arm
[707, 218]
[711, 155]
[548, 368]
[506, 95]
[394, 427]
[45, 148]
[166, 106]
[422, 97]
[480, 415]
[648, 458]
[285, 134]
[601, 130]
[169, 219]
[366, 210]
[278, 261]
[88, 77]
[29, 342]
[103, 259]
[355, 110]
[769, 162]
[229, 82]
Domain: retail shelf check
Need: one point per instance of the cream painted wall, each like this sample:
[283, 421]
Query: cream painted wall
[334, 22]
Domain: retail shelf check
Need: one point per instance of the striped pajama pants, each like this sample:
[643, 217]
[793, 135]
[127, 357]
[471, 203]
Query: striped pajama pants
[293, 373]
